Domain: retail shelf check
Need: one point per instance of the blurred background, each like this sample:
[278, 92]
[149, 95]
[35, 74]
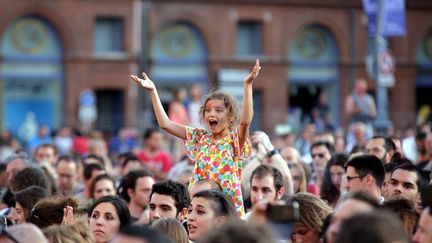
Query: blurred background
[67, 62]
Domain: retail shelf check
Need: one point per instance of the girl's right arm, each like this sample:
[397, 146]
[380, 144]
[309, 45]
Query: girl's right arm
[164, 122]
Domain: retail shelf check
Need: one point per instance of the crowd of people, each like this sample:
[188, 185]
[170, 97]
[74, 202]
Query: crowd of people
[217, 183]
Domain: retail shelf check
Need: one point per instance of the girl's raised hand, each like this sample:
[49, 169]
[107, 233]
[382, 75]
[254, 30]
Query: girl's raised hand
[145, 83]
[254, 74]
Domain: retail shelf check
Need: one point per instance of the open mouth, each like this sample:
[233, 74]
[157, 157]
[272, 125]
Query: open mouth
[213, 123]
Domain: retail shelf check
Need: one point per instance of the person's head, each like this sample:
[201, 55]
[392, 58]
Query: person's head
[153, 138]
[25, 200]
[15, 163]
[179, 94]
[129, 163]
[68, 168]
[377, 226]
[30, 176]
[333, 176]
[107, 215]
[290, 154]
[406, 212]
[102, 185]
[220, 112]
[195, 92]
[407, 181]
[359, 131]
[313, 210]
[266, 182]
[321, 153]
[49, 211]
[93, 159]
[76, 231]
[423, 233]
[22, 233]
[203, 185]
[382, 147]
[298, 176]
[139, 234]
[98, 147]
[169, 199]
[136, 186]
[92, 170]
[360, 86]
[236, 231]
[365, 173]
[46, 153]
[208, 210]
[351, 204]
[172, 228]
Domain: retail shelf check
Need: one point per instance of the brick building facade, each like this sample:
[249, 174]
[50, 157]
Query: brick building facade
[306, 48]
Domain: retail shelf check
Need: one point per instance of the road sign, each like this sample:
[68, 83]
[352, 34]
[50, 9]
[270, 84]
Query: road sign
[386, 68]
[386, 63]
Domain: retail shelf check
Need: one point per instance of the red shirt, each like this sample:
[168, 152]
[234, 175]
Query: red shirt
[161, 161]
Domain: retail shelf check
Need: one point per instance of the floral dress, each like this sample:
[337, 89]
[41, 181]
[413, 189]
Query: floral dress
[218, 160]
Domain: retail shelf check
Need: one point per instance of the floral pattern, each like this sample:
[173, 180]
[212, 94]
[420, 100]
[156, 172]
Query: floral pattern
[219, 160]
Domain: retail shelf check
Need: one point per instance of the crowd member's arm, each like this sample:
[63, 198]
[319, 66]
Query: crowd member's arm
[267, 154]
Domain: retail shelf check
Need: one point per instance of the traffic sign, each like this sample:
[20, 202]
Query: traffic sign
[386, 67]
[386, 62]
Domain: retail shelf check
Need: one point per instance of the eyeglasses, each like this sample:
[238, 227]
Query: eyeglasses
[318, 155]
[349, 178]
[3, 231]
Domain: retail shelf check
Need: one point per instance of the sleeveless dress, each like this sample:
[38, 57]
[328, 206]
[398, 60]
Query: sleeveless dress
[218, 160]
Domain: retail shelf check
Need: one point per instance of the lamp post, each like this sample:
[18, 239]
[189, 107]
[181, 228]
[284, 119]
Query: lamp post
[382, 121]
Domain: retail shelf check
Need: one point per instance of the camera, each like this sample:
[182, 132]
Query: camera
[282, 217]
[283, 213]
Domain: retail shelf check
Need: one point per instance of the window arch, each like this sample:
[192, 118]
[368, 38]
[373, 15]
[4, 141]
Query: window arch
[31, 74]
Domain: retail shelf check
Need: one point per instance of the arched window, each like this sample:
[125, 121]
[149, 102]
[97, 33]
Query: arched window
[313, 73]
[31, 74]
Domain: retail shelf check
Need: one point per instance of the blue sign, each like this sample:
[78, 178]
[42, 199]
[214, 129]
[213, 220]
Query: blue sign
[87, 98]
[393, 19]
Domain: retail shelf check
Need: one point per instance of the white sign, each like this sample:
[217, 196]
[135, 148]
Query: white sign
[386, 68]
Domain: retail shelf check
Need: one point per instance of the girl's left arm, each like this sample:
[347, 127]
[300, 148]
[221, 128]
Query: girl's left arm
[247, 107]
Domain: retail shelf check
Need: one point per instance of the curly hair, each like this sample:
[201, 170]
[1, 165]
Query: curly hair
[230, 103]
[174, 189]
[313, 210]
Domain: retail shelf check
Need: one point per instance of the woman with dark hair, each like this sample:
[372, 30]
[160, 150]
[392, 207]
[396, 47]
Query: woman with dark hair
[107, 215]
[25, 200]
[102, 185]
[208, 210]
[333, 175]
